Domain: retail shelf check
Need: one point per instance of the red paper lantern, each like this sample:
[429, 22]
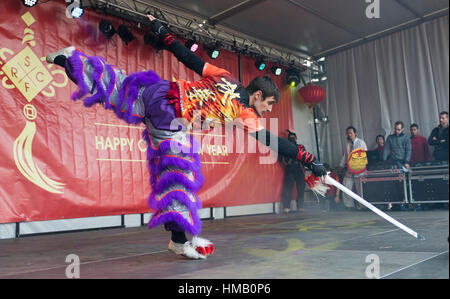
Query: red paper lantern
[312, 94]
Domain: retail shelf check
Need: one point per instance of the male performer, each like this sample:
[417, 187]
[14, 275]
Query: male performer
[165, 108]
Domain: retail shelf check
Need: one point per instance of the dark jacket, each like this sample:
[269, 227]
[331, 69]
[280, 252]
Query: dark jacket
[440, 148]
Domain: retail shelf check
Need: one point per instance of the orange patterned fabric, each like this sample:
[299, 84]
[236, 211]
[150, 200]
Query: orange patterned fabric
[216, 98]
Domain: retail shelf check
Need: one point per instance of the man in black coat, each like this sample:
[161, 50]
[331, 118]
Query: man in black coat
[439, 138]
[293, 174]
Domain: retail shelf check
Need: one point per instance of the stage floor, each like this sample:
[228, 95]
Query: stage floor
[311, 244]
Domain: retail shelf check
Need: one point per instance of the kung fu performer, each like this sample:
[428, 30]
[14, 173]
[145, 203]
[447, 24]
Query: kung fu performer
[175, 167]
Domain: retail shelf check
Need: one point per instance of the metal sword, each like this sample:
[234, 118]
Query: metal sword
[330, 181]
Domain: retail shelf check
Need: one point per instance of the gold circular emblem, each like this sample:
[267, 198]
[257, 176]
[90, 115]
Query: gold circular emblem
[30, 112]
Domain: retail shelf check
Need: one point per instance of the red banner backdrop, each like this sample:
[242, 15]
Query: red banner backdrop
[62, 160]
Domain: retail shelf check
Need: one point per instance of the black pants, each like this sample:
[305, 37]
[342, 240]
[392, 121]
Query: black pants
[327, 203]
[293, 175]
[440, 154]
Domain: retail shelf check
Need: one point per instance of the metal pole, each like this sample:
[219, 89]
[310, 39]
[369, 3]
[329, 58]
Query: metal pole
[315, 132]
[239, 66]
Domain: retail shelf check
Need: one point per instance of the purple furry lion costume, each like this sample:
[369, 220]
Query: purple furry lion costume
[173, 162]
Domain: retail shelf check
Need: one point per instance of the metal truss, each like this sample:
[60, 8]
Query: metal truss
[186, 25]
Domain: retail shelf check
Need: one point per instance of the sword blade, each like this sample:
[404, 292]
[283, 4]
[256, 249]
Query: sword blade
[331, 181]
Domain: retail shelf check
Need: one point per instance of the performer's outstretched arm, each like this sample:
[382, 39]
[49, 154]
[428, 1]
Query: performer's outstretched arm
[183, 54]
[288, 149]
[195, 63]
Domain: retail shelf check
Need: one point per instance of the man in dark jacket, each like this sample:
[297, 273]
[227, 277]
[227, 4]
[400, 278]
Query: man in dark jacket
[398, 147]
[293, 174]
[439, 138]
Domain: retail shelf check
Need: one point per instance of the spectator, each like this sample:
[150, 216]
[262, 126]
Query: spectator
[351, 179]
[380, 142]
[380, 146]
[439, 138]
[420, 151]
[398, 147]
[293, 174]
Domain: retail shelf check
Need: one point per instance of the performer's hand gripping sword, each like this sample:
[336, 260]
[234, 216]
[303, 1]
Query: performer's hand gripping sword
[330, 181]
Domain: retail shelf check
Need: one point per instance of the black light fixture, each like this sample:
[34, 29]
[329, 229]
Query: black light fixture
[322, 65]
[276, 70]
[107, 28]
[29, 3]
[318, 77]
[292, 76]
[125, 34]
[320, 117]
[191, 44]
[75, 8]
[260, 64]
[213, 50]
[152, 40]
[319, 71]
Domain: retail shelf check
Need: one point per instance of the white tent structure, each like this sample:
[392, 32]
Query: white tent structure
[387, 60]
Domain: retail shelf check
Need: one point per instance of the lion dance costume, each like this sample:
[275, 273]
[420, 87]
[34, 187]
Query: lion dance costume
[165, 108]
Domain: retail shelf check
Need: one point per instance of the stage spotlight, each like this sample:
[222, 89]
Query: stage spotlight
[213, 50]
[77, 12]
[74, 8]
[107, 28]
[321, 64]
[260, 64]
[276, 70]
[293, 77]
[318, 77]
[125, 34]
[29, 3]
[214, 53]
[152, 40]
[191, 44]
